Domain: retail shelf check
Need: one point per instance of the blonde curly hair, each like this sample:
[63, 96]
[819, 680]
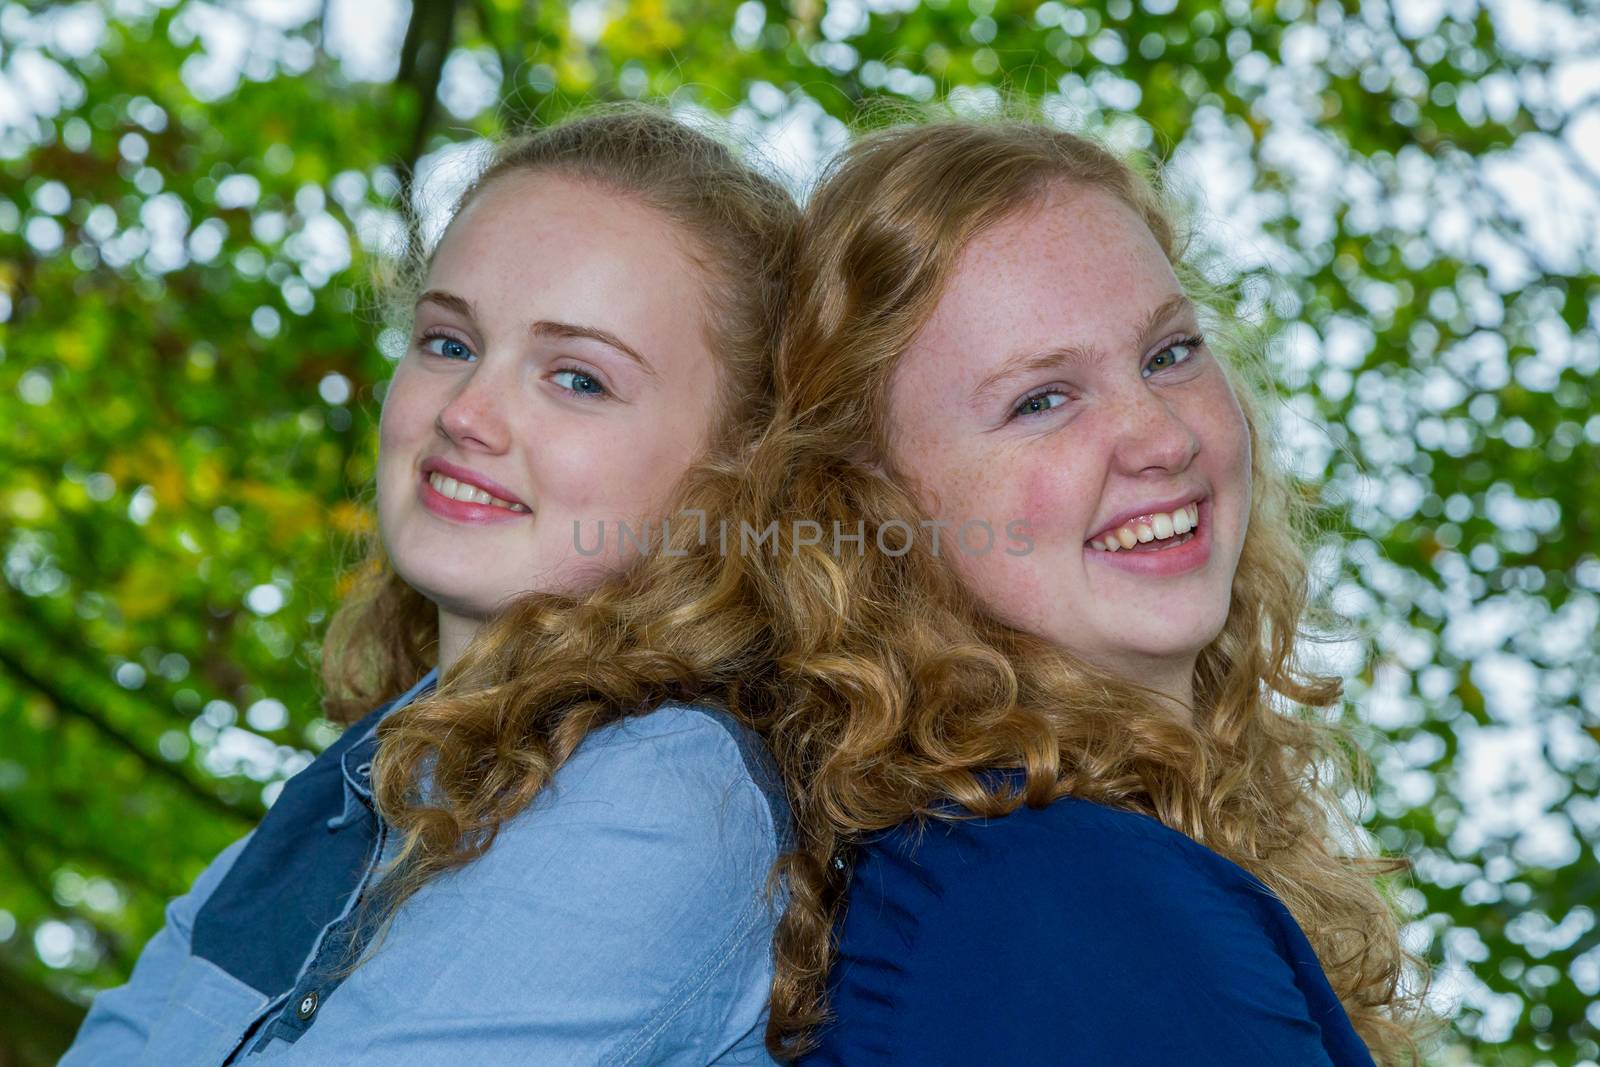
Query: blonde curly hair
[901, 691]
[511, 709]
[882, 688]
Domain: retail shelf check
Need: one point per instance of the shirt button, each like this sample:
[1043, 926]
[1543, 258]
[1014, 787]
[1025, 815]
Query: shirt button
[308, 1005]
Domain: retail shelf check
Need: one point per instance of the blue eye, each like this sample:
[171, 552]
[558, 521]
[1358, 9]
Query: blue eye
[580, 382]
[1038, 403]
[446, 346]
[1173, 355]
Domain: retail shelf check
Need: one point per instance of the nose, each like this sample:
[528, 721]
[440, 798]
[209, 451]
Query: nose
[472, 416]
[1152, 435]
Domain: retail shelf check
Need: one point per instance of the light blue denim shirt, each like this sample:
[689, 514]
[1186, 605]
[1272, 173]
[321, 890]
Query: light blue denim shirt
[622, 918]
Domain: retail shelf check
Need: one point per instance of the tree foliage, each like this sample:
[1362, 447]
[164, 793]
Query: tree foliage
[1406, 197]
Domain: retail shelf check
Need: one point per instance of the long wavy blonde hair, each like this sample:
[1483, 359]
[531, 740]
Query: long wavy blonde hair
[521, 697]
[901, 691]
[881, 686]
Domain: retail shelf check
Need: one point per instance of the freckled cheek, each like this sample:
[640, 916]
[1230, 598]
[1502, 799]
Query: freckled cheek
[1022, 585]
[1022, 589]
[605, 474]
[1229, 443]
[1245, 476]
[1053, 498]
[960, 492]
[1241, 433]
[402, 433]
[406, 417]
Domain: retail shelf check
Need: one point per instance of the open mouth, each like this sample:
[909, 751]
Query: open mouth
[1156, 532]
[459, 495]
[1157, 546]
[467, 493]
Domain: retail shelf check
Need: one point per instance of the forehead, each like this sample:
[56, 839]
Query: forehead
[535, 245]
[1077, 268]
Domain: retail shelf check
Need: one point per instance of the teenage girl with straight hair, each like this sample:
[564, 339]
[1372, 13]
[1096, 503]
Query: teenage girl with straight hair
[503, 872]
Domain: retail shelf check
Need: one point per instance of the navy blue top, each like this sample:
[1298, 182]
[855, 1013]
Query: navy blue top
[1078, 934]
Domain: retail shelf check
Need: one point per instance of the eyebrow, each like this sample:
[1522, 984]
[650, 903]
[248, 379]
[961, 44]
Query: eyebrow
[1079, 355]
[449, 301]
[565, 330]
[542, 328]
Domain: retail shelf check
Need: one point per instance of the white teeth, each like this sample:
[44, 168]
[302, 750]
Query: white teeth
[1159, 528]
[469, 493]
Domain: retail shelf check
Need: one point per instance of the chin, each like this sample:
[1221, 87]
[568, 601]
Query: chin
[1178, 647]
[457, 593]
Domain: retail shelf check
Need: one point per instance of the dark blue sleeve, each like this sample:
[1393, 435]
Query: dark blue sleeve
[1073, 934]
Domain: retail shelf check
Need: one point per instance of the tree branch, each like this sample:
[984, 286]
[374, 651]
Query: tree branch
[26, 830]
[11, 842]
[429, 35]
[73, 704]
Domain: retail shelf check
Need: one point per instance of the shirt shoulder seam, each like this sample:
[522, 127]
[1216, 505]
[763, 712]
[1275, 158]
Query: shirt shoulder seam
[760, 772]
[692, 986]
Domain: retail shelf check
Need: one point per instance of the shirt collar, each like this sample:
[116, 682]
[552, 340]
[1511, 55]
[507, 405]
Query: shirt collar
[424, 684]
[356, 762]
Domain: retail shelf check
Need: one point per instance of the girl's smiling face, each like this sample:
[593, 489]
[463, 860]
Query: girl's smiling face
[558, 363]
[1062, 381]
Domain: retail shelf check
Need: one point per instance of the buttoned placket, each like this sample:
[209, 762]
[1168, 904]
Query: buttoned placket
[291, 1015]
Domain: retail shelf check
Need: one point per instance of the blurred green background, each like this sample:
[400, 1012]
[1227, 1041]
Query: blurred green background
[192, 197]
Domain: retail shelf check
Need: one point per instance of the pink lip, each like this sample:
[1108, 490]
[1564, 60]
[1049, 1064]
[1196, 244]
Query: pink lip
[471, 477]
[1165, 562]
[1146, 510]
[463, 510]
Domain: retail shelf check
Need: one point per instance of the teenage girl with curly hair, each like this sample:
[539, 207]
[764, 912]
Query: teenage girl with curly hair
[451, 882]
[1065, 792]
